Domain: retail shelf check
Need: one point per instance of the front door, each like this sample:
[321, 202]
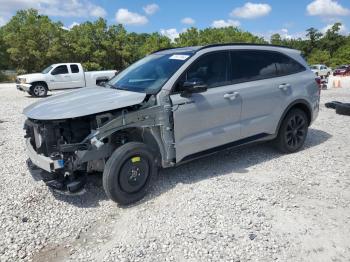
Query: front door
[59, 78]
[209, 119]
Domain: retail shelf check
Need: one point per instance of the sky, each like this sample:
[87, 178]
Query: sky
[290, 18]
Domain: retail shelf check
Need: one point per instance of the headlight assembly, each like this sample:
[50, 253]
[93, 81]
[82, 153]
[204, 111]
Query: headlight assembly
[23, 80]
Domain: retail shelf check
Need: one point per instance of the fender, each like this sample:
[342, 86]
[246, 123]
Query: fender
[154, 120]
[303, 104]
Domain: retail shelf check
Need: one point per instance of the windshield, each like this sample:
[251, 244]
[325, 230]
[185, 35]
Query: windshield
[313, 67]
[149, 74]
[46, 70]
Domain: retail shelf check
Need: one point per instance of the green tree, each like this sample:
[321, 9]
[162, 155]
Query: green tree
[313, 35]
[341, 56]
[318, 56]
[29, 37]
[276, 39]
[4, 56]
[193, 36]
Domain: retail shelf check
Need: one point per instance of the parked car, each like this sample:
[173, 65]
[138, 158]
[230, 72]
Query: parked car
[321, 70]
[61, 76]
[342, 70]
[169, 108]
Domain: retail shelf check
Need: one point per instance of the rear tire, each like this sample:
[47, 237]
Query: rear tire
[129, 172]
[293, 131]
[38, 90]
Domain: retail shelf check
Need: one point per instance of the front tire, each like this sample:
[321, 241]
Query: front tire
[129, 172]
[293, 131]
[38, 90]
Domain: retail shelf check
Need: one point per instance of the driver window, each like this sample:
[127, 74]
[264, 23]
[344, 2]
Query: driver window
[210, 69]
[62, 69]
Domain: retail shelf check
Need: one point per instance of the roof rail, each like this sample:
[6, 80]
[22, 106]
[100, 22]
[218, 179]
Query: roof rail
[244, 44]
[163, 49]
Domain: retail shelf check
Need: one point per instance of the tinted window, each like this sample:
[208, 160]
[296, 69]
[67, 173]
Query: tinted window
[211, 69]
[60, 70]
[74, 68]
[250, 65]
[287, 65]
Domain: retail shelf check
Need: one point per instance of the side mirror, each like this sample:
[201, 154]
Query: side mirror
[191, 87]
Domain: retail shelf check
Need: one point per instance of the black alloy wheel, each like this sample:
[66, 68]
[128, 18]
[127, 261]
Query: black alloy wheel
[293, 131]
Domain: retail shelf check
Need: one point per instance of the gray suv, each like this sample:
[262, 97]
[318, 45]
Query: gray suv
[168, 108]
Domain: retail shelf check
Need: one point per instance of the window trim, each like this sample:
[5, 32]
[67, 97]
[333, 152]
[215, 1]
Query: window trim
[61, 73]
[231, 81]
[229, 68]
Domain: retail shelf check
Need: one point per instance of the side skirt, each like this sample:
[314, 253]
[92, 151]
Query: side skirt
[239, 143]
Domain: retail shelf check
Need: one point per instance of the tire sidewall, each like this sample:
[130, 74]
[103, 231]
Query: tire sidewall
[343, 109]
[281, 140]
[112, 169]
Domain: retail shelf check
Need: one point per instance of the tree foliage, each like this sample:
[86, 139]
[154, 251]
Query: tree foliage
[30, 41]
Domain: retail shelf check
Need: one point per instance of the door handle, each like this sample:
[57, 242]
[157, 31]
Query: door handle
[284, 86]
[231, 95]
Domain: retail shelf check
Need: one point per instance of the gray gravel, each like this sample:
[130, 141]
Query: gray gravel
[251, 204]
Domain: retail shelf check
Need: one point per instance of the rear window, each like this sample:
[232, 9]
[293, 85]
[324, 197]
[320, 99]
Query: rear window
[74, 68]
[251, 65]
[287, 66]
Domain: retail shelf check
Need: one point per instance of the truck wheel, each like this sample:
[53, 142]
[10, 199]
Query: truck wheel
[129, 172]
[293, 131]
[38, 90]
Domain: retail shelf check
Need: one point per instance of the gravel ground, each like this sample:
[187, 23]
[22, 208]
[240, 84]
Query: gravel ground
[251, 204]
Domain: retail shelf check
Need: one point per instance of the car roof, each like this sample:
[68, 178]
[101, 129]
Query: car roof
[194, 49]
[58, 64]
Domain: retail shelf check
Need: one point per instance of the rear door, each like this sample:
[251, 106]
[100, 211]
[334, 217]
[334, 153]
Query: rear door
[206, 120]
[59, 78]
[77, 76]
[265, 88]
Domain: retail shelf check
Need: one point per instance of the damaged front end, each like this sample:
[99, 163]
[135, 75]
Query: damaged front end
[68, 149]
[55, 146]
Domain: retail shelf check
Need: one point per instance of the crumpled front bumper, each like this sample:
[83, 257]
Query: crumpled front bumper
[41, 161]
[23, 87]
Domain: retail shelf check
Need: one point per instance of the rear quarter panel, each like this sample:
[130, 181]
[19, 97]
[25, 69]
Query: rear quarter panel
[303, 89]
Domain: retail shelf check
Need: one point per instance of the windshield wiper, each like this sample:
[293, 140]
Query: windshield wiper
[108, 84]
[116, 87]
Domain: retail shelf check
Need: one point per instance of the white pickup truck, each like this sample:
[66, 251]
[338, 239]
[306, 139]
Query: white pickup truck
[321, 70]
[61, 76]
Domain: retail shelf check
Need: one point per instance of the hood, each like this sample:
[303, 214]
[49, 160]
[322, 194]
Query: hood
[82, 102]
[32, 77]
